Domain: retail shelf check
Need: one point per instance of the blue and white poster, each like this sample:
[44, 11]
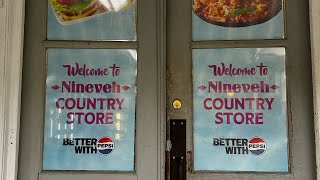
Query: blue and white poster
[92, 20]
[90, 109]
[240, 119]
[237, 19]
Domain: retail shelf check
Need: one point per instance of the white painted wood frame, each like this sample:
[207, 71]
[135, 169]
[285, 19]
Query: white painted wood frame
[11, 51]
[315, 52]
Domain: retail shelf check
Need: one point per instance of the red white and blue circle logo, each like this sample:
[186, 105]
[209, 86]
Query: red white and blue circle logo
[257, 146]
[105, 145]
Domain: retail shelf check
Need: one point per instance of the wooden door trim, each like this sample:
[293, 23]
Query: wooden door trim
[12, 35]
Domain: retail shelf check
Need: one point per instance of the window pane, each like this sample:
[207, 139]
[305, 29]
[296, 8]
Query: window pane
[237, 20]
[240, 120]
[90, 109]
[91, 20]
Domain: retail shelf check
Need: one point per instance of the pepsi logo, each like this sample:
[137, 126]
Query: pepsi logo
[257, 146]
[105, 145]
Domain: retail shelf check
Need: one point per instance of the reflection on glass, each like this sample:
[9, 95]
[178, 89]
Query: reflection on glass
[239, 101]
[118, 116]
[118, 126]
[230, 94]
[90, 109]
[51, 127]
[118, 136]
[91, 20]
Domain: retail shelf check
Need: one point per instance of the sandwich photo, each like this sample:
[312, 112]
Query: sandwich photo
[70, 10]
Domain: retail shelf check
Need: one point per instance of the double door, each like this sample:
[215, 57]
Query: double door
[197, 95]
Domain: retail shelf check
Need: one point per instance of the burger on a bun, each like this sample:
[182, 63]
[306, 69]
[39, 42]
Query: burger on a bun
[68, 10]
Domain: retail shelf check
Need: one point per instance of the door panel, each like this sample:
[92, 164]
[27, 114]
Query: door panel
[298, 83]
[33, 96]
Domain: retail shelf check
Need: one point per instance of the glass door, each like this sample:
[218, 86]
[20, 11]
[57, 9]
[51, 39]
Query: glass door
[239, 103]
[238, 90]
[89, 99]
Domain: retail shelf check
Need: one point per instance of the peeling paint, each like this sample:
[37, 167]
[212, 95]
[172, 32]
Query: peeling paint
[189, 162]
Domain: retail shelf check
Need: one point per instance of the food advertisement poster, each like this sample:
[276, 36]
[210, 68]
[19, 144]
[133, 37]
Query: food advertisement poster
[240, 120]
[90, 109]
[91, 20]
[237, 19]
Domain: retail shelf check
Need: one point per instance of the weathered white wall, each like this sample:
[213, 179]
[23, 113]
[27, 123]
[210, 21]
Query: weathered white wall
[2, 80]
[315, 42]
[11, 50]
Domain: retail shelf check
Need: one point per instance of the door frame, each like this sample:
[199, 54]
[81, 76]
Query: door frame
[11, 56]
[315, 53]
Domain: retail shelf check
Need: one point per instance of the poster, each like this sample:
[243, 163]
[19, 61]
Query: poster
[90, 109]
[237, 19]
[240, 120]
[91, 20]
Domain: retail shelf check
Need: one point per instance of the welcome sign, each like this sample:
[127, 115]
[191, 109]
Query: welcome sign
[90, 109]
[240, 121]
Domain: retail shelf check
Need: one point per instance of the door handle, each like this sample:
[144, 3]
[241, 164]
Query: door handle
[180, 163]
[178, 149]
